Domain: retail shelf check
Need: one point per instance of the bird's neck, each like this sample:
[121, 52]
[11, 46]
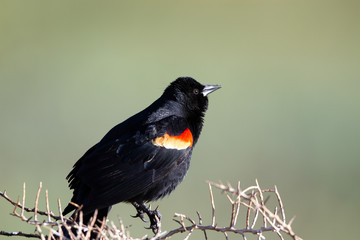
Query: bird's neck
[196, 123]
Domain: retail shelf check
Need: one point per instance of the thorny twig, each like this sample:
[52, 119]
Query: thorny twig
[251, 198]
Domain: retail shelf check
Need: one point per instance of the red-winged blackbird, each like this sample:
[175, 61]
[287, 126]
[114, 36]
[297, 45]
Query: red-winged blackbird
[143, 158]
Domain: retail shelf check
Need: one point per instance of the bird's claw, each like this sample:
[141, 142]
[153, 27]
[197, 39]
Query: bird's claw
[154, 216]
[140, 215]
[155, 220]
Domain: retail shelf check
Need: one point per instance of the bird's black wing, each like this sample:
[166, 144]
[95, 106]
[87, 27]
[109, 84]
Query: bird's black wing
[134, 164]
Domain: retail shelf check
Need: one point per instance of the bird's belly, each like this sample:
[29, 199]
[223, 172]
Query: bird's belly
[168, 183]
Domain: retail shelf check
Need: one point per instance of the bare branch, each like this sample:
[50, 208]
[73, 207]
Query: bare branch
[212, 206]
[259, 219]
[37, 201]
[20, 234]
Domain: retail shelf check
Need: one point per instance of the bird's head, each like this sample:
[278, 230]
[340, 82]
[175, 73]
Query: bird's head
[190, 93]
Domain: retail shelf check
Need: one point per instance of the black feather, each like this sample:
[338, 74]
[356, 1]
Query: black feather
[126, 166]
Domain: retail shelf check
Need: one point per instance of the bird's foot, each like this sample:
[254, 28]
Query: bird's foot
[154, 216]
[155, 220]
[140, 214]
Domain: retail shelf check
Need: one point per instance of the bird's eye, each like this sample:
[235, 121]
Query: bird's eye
[196, 91]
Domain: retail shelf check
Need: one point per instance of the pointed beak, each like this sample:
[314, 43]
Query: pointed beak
[209, 89]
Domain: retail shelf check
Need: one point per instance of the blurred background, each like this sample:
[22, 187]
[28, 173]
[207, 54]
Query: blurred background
[287, 113]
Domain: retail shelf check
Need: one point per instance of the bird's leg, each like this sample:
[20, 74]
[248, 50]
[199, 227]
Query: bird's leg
[154, 216]
[140, 211]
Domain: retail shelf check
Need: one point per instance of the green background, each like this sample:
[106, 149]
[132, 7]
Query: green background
[287, 113]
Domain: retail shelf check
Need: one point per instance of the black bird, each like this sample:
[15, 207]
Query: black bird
[143, 158]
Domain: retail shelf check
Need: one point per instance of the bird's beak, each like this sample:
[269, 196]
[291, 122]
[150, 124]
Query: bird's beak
[209, 89]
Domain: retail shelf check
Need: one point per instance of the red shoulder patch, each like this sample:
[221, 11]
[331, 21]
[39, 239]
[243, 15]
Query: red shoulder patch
[182, 141]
